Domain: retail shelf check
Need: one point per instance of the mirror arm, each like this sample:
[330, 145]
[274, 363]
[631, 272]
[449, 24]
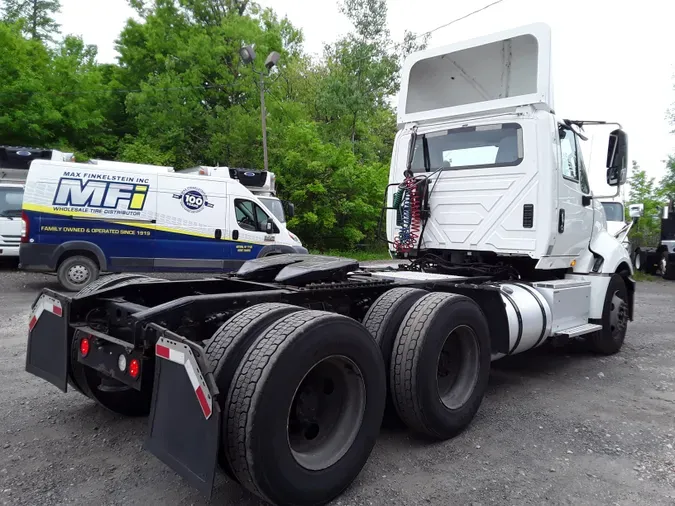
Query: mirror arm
[618, 191]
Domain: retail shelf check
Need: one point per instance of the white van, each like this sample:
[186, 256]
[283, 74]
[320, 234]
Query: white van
[80, 219]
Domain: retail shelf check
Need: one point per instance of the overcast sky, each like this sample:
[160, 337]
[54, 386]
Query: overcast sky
[612, 60]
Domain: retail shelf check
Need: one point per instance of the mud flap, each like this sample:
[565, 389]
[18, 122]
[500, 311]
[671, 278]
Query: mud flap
[185, 416]
[48, 350]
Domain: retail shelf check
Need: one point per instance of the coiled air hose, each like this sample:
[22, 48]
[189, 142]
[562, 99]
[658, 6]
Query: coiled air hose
[408, 200]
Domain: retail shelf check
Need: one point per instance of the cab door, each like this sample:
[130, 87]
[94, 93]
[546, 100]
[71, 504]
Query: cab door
[249, 229]
[574, 221]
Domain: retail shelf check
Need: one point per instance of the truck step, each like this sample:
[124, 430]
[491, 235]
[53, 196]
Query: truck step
[577, 331]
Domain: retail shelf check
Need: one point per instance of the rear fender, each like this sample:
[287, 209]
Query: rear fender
[185, 415]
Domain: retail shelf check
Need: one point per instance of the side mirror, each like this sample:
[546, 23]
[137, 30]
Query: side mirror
[290, 210]
[269, 227]
[636, 210]
[617, 158]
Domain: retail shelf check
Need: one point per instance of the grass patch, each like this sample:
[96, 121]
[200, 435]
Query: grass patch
[641, 276]
[360, 255]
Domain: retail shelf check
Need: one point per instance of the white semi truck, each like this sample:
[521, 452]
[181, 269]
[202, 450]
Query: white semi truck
[279, 374]
[259, 182]
[14, 164]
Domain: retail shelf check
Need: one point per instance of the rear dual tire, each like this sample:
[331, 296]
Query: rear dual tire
[440, 364]
[304, 402]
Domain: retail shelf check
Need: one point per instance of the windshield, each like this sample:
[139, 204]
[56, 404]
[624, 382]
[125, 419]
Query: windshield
[613, 211]
[274, 205]
[10, 202]
[499, 145]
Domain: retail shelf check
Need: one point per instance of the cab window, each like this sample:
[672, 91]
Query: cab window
[583, 177]
[250, 216]
[568, 154]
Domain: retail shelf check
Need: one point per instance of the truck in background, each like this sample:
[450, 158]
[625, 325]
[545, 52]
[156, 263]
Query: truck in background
[279, 374]
[613, 202]
[261, 183]
[660, 259]
[14, 164]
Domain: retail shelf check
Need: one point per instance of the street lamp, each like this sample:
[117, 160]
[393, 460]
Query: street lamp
[247, 55]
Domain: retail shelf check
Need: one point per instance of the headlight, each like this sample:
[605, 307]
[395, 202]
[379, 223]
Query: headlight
[294, 237]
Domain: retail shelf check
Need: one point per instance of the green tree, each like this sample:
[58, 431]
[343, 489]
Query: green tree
[643, 190]
[36, 16]
[667, 184]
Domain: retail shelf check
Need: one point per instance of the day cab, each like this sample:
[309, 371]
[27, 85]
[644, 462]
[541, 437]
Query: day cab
[81, 219]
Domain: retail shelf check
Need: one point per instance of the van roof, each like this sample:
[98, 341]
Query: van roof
[127, 169]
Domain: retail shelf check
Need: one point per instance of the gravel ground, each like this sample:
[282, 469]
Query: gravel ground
[554, 429]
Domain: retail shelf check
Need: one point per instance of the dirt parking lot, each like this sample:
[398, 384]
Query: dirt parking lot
[555, 428]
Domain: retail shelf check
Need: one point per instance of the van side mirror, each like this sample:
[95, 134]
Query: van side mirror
[290, 211]
[269, 227]
[617, 158]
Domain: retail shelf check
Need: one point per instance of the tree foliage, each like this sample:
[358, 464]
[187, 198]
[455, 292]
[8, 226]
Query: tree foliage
[35, 16]
[644, 190]
[181, 96]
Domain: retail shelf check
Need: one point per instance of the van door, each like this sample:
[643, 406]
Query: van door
[574, 221]
[189, 225]
[249, 223]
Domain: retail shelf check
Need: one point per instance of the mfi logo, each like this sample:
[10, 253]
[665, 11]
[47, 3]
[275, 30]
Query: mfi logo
[100, 194]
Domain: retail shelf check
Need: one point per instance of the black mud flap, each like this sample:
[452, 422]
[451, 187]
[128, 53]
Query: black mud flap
[185, 415]
[48, 350]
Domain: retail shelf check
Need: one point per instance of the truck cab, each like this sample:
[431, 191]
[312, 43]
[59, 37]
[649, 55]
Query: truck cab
[504, 177]
[259, 182]
[14, 165]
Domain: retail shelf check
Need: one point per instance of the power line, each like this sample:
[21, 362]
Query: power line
[429, 32]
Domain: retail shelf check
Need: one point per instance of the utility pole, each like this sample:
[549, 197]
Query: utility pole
[248, 55]
[263, 113]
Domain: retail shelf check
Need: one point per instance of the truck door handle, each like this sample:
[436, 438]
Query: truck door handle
[235, 234]
[219, 233]
[561, 221]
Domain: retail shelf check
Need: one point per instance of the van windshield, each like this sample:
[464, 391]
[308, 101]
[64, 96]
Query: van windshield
[613, 211]
[10, 202]
[499, 145]
[274, 205]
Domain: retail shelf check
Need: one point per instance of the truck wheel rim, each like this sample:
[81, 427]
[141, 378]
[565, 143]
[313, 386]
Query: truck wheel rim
[78, 274]
[637, 262]
[618, 315]
[664, 265]
[326, 413]
[458, 367]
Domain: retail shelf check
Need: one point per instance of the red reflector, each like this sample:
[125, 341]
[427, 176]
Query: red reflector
[202, 401]
[134, 368]
[57, 310]
[84, 346]
[162, 351]
[32, 323]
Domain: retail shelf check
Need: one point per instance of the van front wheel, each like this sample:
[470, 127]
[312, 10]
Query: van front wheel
[76, 272]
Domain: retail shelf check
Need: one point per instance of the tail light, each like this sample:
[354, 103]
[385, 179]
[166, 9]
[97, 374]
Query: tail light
[25, 227]
[84, 347]
[134, 368]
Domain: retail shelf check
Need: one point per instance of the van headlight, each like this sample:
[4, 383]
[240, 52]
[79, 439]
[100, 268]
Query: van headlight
[294, 237]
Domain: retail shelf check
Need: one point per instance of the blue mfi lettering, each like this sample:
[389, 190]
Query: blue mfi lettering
[75, 192]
